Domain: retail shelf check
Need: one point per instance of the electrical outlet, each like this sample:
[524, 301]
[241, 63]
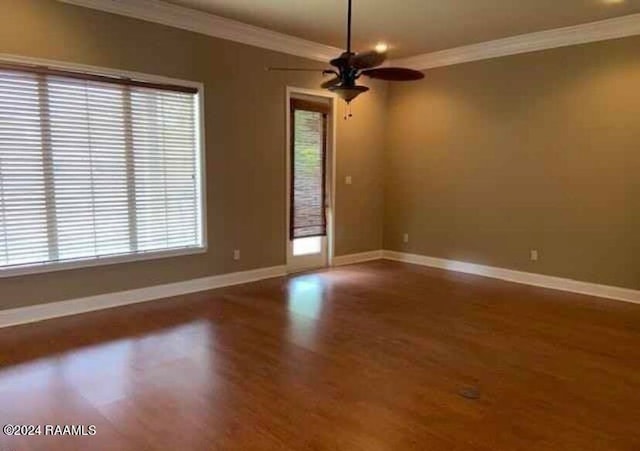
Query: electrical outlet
[534, 255]
[405, 238]
[348, 180]
[236, 254]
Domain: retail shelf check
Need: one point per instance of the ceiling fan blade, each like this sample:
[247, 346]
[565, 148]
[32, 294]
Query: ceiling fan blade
[329, 83]
[342, 61]
[295, 69]
[367, 60]
[394, 74]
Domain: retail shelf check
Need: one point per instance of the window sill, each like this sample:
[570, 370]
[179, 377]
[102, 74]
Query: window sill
[24, 270]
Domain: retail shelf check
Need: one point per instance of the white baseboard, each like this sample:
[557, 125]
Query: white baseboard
[538, 280]
[42, 312]
[352, 259]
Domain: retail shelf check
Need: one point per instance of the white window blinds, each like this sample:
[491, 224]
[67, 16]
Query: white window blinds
[93, 168]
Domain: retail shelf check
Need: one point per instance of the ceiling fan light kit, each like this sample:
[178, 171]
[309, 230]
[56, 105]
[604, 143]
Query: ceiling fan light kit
[350, 66]
[348, 93]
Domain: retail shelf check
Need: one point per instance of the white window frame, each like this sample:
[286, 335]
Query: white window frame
[89, 262]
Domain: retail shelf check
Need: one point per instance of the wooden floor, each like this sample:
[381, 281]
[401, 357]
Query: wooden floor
[366, 357]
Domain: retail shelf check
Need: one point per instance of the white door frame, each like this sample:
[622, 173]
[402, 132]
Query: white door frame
[291, 93]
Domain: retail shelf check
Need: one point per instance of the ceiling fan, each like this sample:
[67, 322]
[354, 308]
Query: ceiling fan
[350, 66]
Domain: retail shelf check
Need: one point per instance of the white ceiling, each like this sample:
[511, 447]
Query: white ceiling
[413, 27]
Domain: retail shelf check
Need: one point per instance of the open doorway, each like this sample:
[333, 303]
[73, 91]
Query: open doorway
[310, 187]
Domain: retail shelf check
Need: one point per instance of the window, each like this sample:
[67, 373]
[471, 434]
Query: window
[308, 169]
[307, 246]
[95, 167]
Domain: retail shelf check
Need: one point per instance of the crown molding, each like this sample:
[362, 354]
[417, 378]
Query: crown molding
[618, 27]
[209, 24]
[219, 27]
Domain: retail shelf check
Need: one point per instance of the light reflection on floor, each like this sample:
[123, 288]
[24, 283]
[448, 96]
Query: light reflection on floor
[306, 294]
[305, 302]
[111, 371]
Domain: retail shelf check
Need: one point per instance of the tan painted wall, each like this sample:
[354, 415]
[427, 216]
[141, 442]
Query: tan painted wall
[488, 160]
[484, 161]
[245, 143]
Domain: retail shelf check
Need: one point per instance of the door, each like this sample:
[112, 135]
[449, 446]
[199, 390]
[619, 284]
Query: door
[309, 207]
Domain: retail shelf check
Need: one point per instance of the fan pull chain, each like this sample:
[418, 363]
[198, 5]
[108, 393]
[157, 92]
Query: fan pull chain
[347, 112]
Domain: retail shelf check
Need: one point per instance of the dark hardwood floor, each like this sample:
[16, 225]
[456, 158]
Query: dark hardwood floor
[366, 357]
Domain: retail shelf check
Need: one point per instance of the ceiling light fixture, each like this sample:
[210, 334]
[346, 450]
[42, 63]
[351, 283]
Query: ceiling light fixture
[381, 47]
[350, 66]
